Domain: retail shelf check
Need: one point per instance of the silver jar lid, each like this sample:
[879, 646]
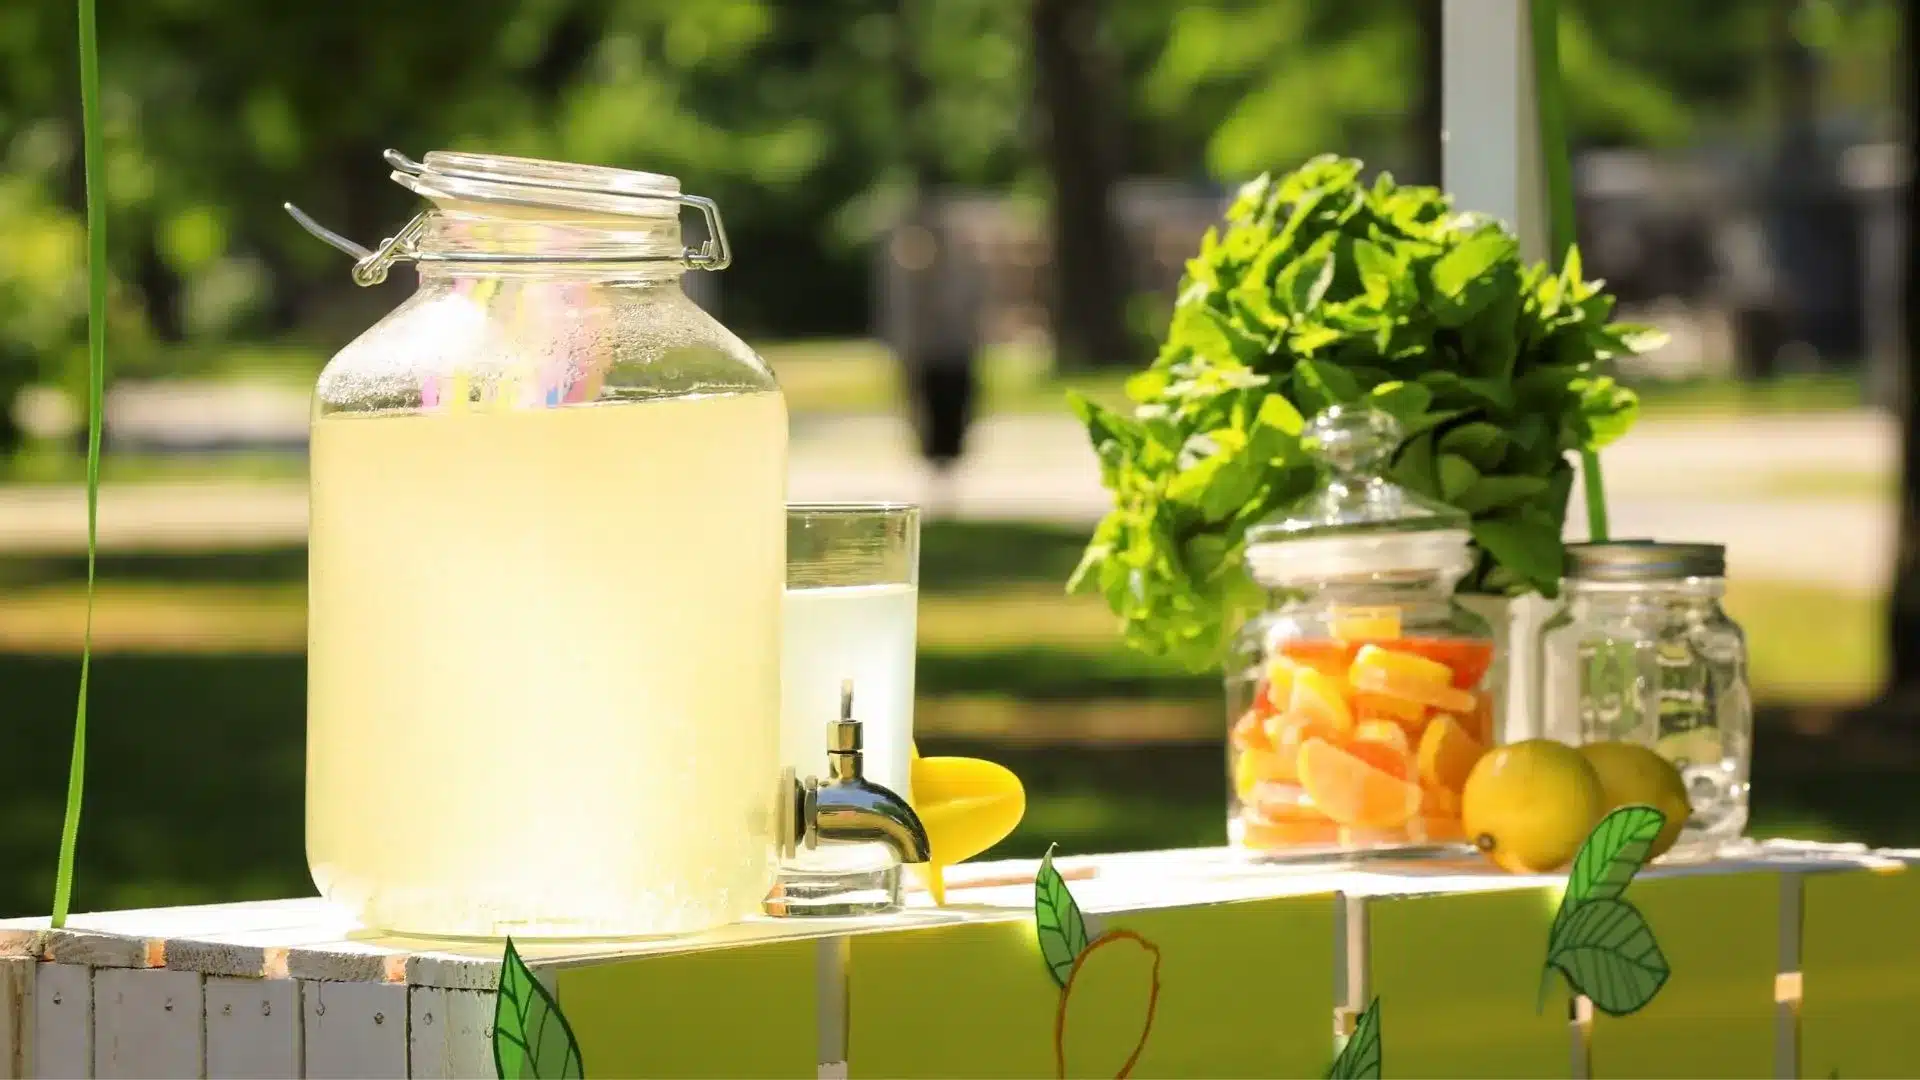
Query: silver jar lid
[1628, 561]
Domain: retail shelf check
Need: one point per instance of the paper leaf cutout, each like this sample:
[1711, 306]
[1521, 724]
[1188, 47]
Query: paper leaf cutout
[531, 1037]
[1607, 952]
[1613, 852]
[1360, 1058]
[1062, 929]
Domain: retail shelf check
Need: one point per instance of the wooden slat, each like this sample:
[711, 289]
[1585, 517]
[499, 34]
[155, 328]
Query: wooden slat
[450, 1033]
[148, 1023]
[1860, 974]
[96, 950]
[347, 961]
[1444, 965]
[253, 1029]
[16, 1015]
[63, 1021]
[1715, 1016]
[355, 1030]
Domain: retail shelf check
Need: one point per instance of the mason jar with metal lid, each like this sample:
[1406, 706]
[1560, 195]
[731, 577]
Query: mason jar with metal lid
[1640, 650]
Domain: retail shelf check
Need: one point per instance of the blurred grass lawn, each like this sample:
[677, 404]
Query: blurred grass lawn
[195, 784]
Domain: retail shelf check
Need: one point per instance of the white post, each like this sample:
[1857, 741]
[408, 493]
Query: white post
[1490, 138]
[1490, 162]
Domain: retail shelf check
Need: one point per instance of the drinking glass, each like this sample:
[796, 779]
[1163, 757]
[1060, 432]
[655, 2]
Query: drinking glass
[853, 588]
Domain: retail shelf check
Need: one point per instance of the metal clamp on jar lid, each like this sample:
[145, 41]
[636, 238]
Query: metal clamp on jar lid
[1628, 562]
[1358, 525]
[557, 193]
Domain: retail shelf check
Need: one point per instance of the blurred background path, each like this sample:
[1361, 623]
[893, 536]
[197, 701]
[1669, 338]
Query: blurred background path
[1803, 498]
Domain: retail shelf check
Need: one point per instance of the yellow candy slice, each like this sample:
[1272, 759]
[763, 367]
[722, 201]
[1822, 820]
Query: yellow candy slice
[967, 805]
[1409, 677]
[1365, 623]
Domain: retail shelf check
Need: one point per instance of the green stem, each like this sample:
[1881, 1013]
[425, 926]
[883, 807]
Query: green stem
[94, 168]
[1596, 492]
[1557, 164]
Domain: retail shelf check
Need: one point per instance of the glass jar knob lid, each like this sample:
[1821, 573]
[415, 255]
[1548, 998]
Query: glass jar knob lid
[1356, 518]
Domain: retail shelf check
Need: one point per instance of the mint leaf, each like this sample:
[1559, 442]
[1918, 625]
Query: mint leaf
[1482, 443]
[1061, 928]
[1529, 548]
[1495, 492]
[1472, 261]
[1606, 951]
[1457, 474]
[1359, 1059]
[531, 1037]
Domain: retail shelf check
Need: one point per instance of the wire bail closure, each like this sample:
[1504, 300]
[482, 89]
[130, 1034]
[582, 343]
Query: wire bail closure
[370, 265]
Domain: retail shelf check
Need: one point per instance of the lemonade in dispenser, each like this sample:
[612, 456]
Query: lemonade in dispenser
[1358, 701]
[546, 562]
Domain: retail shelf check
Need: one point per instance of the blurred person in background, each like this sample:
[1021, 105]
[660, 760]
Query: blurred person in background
[931, 306]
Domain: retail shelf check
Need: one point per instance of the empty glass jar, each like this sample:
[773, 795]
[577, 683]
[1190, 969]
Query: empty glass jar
[1640, 651]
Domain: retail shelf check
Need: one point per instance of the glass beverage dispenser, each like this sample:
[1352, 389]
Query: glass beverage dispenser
[547, 556]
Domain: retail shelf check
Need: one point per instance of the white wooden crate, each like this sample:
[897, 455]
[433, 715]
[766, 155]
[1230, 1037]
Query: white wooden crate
[292, 988]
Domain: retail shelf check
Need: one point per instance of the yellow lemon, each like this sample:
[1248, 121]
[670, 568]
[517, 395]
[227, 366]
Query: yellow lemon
[966, 805]
[1528, 805]
[1634, 774]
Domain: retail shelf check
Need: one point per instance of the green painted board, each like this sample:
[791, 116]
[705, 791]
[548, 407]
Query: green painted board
[743, 1011]
[972, 1000]
[1860, 974]
[1219, 990]
[1246, 989]
[1458, 977]
[1715, 1016]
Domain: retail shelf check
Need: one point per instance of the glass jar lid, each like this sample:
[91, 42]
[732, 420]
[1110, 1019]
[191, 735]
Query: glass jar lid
[1356, 522]
[1628, 562]
[550, 195]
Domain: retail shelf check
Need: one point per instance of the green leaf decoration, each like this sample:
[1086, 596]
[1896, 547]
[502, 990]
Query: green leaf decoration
[1062, 929]
[1360, 1058]
[531, 1037]
[1614, 851]
[1607, 952]
[93, 169]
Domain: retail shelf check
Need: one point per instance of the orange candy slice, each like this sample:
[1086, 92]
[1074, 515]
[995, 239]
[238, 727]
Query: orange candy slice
[1385, 733]
[1320, 699]
[1255, 767]
[1447, 753]
[1358, 786]
[1268, 835]
[1250, 732]
[1328, 657]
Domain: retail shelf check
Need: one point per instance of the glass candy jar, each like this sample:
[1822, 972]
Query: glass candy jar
[547, 555]
[1639, 650]
[1359, 699]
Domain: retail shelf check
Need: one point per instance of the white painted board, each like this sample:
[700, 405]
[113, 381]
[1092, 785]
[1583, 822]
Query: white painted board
[148, 1023]
[451, 1033]
[253, 1028]
[354, 1030]
[62, 1021]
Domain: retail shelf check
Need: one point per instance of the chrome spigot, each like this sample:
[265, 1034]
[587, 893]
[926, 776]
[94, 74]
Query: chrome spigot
[847, 806]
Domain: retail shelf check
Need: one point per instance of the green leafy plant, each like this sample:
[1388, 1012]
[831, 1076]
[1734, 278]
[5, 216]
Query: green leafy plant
[1600, 943]
[94, 168]
[1322, 290]
[1359, 1059]
[531, 1037]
